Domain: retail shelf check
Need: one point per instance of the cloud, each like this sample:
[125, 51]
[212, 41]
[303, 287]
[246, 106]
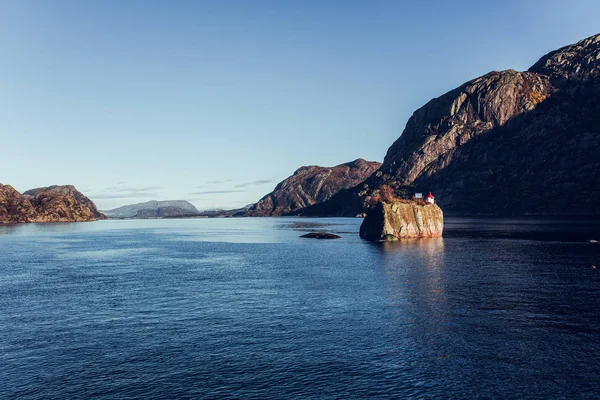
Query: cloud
[127, 192]
[124, 195]
[254, 183]
[217, 181]
[132, 189]
[219, 191]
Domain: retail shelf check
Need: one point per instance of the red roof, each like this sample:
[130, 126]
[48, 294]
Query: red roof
[430, 196]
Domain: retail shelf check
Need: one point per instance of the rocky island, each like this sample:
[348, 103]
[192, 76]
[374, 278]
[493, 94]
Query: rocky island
[389, 221]
[46, 204]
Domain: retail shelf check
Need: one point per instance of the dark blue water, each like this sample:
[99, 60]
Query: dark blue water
[244, 308]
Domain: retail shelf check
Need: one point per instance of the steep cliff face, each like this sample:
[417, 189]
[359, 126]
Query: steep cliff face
[544, 160]
[48, 204]
[402, 220]
[437, 129]
[311, 185]
[506, 143]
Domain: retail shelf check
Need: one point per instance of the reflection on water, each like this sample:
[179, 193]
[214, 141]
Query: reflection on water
[582, 229]
[415, 272]
[54, 227]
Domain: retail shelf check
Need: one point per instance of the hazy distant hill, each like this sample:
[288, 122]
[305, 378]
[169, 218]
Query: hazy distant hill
[219, 212]
[154, 209]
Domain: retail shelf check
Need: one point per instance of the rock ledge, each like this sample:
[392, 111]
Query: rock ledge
[320, 235]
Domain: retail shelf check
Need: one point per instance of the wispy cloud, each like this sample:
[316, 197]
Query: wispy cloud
[254, 183]
[217, 181]
[218, 191]
[132, 189]
[127, 192]
[124, 195]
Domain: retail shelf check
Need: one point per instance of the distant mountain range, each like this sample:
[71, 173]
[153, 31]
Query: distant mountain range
[154, 209]
[171, 209]
[219, 212]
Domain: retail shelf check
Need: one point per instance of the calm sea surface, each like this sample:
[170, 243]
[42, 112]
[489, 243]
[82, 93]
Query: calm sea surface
[244, 308]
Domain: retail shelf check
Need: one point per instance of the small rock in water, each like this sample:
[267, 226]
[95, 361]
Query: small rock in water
[320, 235]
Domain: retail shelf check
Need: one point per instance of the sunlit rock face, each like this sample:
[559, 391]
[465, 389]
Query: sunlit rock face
[402, 220]
[47, 204]
[437, 130]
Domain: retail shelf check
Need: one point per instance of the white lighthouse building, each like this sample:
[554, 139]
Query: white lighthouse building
[430, 199]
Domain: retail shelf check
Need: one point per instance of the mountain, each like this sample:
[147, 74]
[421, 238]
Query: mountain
[310, 185]
[154, 209]
[47, 204]
[220, 212]
[506, 143]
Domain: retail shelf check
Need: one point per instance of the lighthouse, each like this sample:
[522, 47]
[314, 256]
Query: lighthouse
[430, 198]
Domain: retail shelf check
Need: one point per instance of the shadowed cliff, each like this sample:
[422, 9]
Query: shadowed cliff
[311, 185]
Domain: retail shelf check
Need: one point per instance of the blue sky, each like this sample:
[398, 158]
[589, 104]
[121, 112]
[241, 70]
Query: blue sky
[217, 101]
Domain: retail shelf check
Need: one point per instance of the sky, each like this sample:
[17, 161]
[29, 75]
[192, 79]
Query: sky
[215, 102]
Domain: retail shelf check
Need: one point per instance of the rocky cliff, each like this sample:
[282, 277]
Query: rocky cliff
[47, 204]
[506, 143]
[311, 185]
[402, 220]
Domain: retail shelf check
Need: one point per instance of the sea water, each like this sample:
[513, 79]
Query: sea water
[245, 308]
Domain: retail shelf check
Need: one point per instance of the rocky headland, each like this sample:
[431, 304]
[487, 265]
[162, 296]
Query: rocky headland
[506, 143]
[311, 185]
[46, 204]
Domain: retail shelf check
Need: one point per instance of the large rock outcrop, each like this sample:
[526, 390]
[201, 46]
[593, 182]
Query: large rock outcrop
[402, 220]
[507, 143]
[312, 185]
[47, 204]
